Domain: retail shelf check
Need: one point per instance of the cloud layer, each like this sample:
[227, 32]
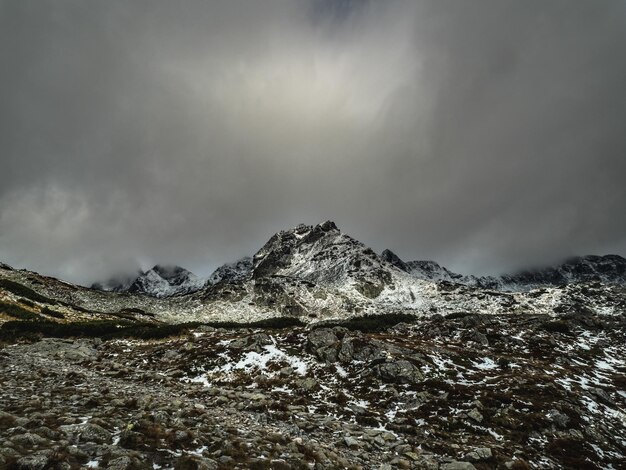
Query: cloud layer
[488, 135]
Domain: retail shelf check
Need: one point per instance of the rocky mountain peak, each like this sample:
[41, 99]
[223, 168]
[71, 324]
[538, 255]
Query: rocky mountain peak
[174, 275]
[325, 257]
[278, 252]
[159, 281]
[394, 259]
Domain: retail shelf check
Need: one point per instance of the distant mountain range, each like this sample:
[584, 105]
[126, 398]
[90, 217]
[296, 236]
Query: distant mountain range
[277, 257]
[317, 272]
[609, 269]
[160, 281]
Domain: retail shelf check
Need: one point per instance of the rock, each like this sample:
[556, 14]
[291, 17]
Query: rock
[74, 451]
[88, 432]
[73, 351]
[171, 354]
[323, 342]
[253, 342]
[360, 348]
[187, 462]
[456, 465]
[478, 337]
[480, 453]
[412, 455]
[33, 462]
[351, 442]
[28, 440]
[559, 419]
[475, 415]
[601, 395]
[307, 383]
[280, 465]
[120, 463]
[401, 371]
[8, 453]
[254, 396]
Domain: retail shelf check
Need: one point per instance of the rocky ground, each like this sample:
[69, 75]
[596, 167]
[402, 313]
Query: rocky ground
[457, 392]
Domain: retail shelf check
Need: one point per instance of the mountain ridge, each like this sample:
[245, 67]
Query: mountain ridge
[314, 273]
[575, 269]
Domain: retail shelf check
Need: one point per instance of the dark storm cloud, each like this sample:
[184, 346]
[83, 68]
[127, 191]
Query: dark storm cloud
[488, 135]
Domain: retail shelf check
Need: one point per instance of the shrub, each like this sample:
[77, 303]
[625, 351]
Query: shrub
[456, 315]
[16, 311]
[269, 323]
[26, 302]
[110, 329]
[51, 313]
[23, 291]
[557, 326]
[371, 323]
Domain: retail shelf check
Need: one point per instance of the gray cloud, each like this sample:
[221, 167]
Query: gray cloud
[488, 135]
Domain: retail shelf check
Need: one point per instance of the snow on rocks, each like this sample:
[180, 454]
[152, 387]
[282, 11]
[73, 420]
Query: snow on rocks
[236, 397]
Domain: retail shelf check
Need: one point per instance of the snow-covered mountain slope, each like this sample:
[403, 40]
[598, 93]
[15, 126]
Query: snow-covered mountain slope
[316, 272]
[319, 272]
[160, 281]
[609, 269]
[232, 272]
[166, 281]
[323, 255]
[428, 270]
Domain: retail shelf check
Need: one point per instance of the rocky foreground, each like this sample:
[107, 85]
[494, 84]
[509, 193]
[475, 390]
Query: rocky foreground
[457, 392]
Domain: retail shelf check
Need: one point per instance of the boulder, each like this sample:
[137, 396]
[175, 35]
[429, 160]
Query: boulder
[33, 462]
[323, 343]
[253, 342]
[88, 432]
[400, 371]
[558, 419]
[456, 465]
[480, 453]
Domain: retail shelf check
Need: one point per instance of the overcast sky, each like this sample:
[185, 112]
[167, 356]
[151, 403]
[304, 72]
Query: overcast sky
[488, 135]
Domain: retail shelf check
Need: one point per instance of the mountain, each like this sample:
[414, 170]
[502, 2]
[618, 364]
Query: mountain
[608, 269]
[232, 272]
[323, 255]
[428, 270]
[160, 281]
[317, 272]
